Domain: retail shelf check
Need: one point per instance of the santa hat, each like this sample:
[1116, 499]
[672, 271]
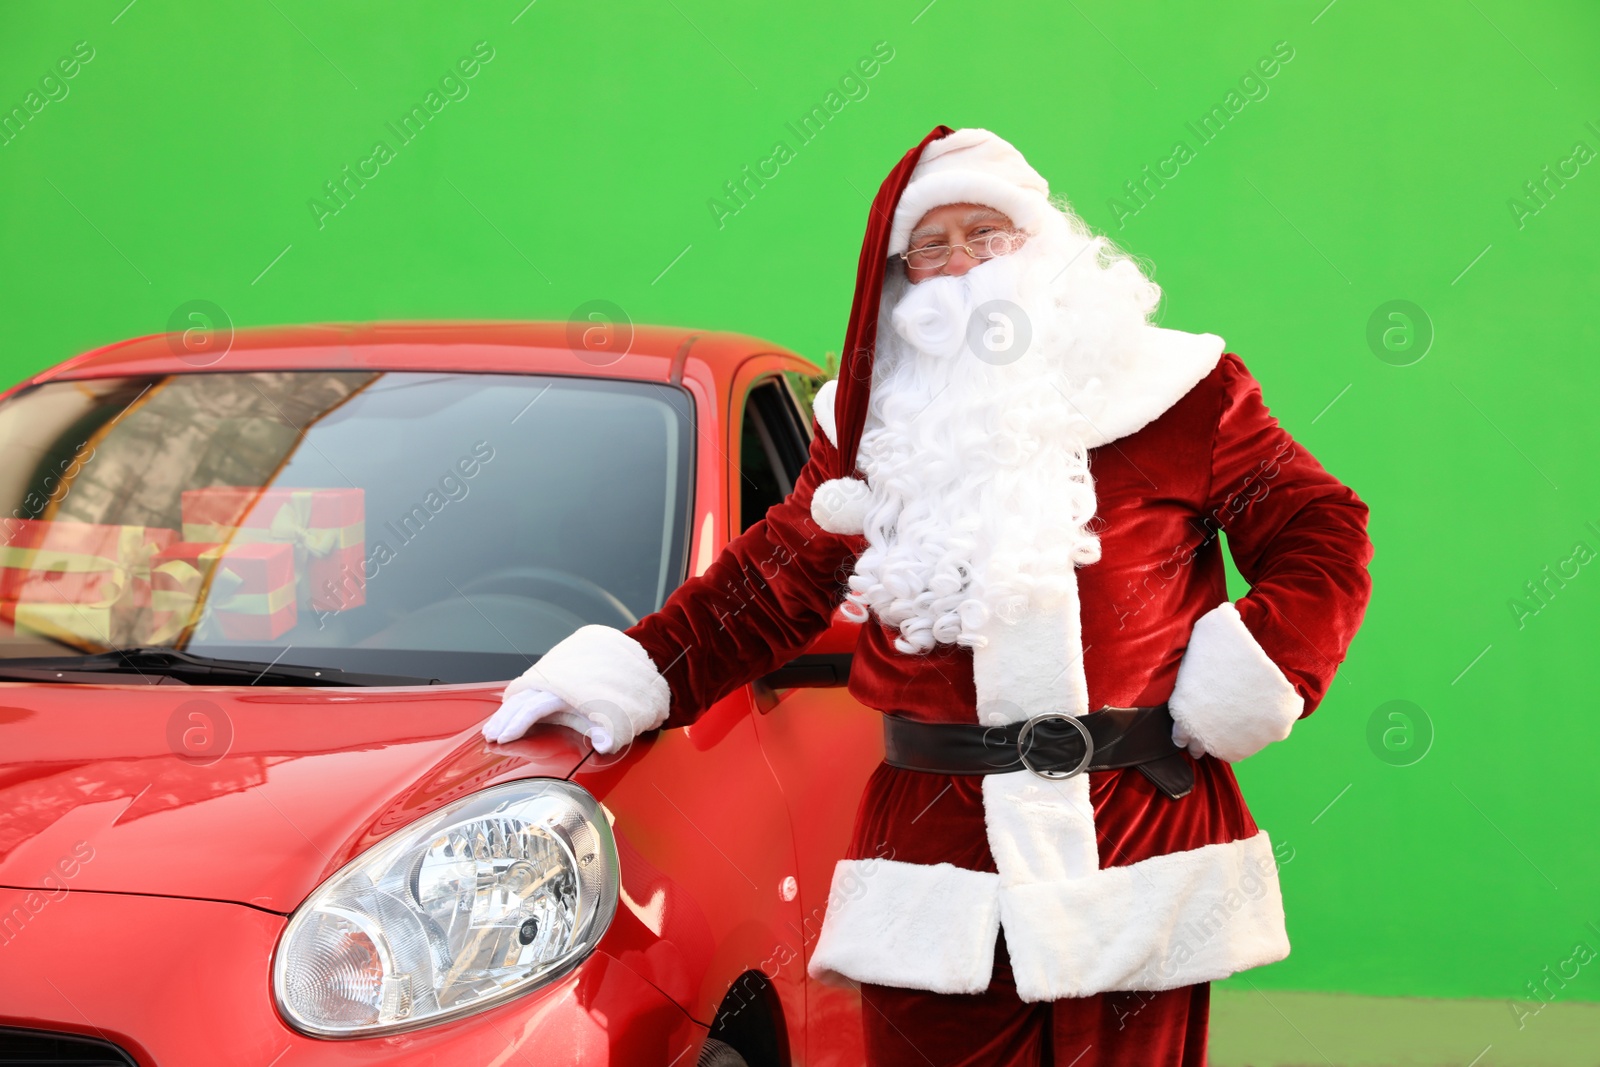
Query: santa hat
[971, 166]
[947, 167]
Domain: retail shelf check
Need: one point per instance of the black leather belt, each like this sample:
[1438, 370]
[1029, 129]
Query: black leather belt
[1051, 745]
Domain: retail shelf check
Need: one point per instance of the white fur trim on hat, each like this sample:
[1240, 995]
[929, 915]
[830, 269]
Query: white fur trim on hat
[1230, 696]
[839, 505]
[607, 677]
[822, 408]
[971, 166]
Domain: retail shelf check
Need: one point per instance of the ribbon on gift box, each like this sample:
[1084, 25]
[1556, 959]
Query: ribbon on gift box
[134, 551]
[173, 608]
[325, 527]
[31, 568]
[62, 617]
[291, 523]
[181, 586]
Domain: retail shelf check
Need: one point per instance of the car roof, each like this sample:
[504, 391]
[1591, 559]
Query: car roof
[639, 352]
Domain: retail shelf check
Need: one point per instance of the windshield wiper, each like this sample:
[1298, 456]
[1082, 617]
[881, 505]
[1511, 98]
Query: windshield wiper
[189, 667]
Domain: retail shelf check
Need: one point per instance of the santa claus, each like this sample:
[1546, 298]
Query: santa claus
[1017, 484]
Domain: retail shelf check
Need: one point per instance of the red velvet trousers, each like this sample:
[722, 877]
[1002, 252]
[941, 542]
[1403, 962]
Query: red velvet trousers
[911, 1028]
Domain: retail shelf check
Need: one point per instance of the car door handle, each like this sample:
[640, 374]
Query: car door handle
[813, 671]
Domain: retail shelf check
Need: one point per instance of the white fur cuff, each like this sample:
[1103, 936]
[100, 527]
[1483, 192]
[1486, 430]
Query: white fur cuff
[1230, 696]
[607, 677]
[916, 926]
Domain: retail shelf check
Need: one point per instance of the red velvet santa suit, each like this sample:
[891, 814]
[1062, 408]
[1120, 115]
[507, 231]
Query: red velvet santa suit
[990, 917]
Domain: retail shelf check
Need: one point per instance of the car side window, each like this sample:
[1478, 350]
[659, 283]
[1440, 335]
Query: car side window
[772, 449]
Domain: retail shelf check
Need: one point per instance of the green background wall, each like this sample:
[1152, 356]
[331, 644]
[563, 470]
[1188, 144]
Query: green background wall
[1384, 162]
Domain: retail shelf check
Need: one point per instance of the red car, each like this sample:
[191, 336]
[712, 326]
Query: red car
[256, 601]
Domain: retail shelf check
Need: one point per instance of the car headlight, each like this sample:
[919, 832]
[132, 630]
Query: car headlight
[484, 899]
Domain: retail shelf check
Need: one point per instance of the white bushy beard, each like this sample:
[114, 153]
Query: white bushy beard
[980, 492]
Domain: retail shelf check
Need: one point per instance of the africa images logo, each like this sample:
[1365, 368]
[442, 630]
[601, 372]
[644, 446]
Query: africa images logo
[342, 188]
[853, 86]
[53, 87]
[1252, 87]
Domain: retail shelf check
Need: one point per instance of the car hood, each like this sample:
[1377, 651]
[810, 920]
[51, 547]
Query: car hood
[246, 794]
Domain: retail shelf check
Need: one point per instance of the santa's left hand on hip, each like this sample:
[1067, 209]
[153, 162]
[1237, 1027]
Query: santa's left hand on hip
[1181, 738]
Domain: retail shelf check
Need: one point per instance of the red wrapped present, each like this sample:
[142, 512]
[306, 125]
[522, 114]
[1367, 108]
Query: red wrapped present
[78, 582]
[247, 588]
[327, 528]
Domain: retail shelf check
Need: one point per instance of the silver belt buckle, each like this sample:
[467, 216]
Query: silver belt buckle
[1027, 729]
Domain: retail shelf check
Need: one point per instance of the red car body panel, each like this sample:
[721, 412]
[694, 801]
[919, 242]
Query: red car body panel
[109, 821]
[298, 780]
[108, 965]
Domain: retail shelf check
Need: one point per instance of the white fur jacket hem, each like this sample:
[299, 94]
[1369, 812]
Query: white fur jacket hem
[1168, 921]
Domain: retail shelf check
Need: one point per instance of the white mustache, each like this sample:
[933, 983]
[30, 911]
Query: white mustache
[934, 315]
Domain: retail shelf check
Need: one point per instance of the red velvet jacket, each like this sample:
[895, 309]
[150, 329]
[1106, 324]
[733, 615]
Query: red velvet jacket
[1215, 460]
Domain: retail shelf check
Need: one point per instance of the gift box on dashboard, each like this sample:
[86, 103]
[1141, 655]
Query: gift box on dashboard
[325, 527]
[249, 589]
[79, 582]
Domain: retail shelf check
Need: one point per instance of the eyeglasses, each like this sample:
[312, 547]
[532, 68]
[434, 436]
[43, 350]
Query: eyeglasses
[990, 245]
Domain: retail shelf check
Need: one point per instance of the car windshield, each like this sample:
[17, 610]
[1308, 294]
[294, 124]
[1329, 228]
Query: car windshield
[442, 525]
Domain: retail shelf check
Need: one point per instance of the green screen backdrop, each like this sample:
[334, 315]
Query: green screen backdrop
[1388, 211]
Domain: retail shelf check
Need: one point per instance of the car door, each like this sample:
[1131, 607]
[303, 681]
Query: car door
[821, 743]
[702, 827]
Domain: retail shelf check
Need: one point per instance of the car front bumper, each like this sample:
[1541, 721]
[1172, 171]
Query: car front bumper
[179, 982]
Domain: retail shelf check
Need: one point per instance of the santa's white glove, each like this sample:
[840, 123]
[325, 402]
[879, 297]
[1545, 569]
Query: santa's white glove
[597, 680]
[1181, 738]
[525, 705]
